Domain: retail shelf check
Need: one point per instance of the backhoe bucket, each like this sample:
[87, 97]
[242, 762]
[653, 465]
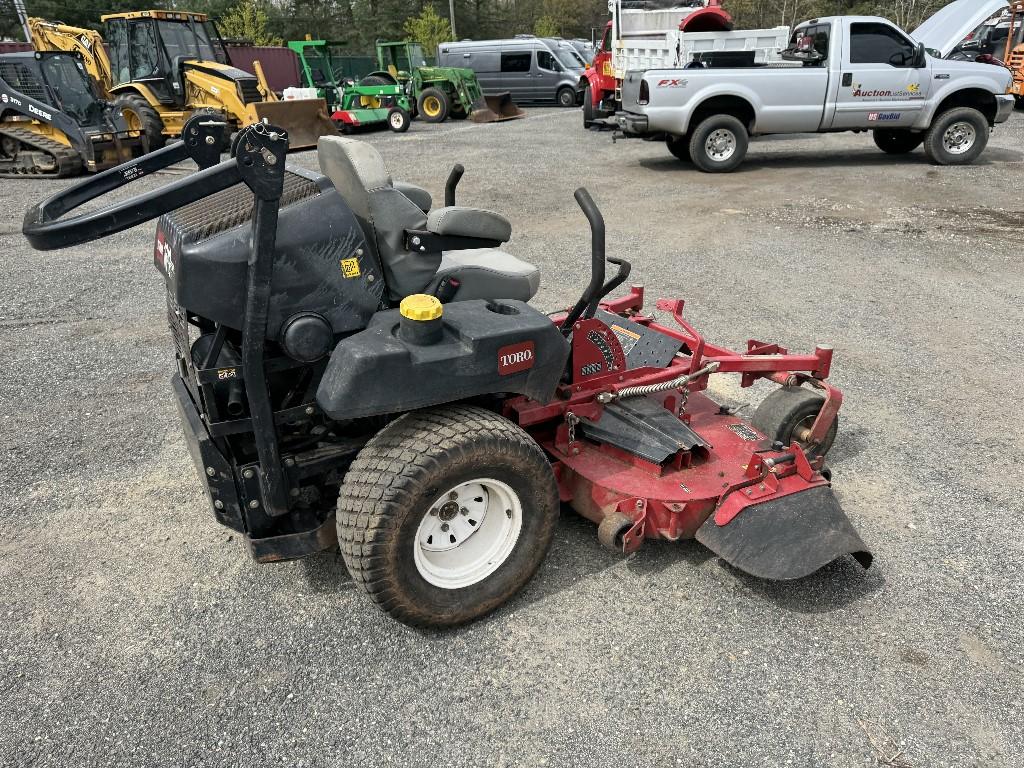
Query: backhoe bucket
[304, 120]
[787, 538]
[495, 108]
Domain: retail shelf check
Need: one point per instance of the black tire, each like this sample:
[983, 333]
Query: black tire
[785, 409]
[410, 466]
[897, 142]
[679, 146]
[384, 101]
[141, 116]
[733, 131]
[588, 108]
[398, 120]
[566, 97]
[437, 103]
[944, 130]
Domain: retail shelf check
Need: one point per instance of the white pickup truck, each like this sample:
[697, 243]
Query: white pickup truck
[858, 73]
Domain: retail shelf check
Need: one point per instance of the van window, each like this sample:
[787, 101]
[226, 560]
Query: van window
[516, 62]
[546, 61]
[879, 44]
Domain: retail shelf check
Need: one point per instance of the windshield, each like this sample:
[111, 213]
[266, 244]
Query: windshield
[185, 40]
[569, 58]
[65, 75]
[416, 57]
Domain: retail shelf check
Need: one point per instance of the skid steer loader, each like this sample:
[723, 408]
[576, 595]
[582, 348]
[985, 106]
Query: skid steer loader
[164, 66]
[52, 121]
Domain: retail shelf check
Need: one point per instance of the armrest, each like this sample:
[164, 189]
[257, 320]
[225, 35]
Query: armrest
[456, 221]
[419, 196]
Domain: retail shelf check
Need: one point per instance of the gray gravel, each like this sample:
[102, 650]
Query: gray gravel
[138, 632]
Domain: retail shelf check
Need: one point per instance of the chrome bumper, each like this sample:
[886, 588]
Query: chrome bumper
[1005, 103]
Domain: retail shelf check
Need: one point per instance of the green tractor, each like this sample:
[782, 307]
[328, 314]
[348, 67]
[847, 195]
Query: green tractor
[440, 92]
[373, 101]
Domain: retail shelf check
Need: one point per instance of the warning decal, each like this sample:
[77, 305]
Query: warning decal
[350, 267]
[627, 338]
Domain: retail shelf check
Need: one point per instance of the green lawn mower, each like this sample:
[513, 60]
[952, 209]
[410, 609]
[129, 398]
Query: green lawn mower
[373, 101]
[440, 92]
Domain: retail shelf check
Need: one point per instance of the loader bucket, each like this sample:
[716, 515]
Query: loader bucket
[786, 538]
[304, 120]
[495, 108]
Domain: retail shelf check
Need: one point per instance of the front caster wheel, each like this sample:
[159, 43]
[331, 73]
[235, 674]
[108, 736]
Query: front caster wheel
[612, 529]
[787, 413]
[445, 514]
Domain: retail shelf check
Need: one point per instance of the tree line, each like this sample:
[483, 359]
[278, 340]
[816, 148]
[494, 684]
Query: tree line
[359, 23]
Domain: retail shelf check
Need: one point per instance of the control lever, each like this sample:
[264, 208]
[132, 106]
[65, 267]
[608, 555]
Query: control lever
[587, 305]
[452, 183]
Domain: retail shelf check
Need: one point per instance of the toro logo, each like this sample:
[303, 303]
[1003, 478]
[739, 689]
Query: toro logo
[515, 358]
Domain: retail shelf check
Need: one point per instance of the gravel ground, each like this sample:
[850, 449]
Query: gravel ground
[138, 632]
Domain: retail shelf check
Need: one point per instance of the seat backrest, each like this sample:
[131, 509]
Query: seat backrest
[358, 173]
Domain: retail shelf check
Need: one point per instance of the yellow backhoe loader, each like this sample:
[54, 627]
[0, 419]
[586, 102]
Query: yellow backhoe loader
[164, 66]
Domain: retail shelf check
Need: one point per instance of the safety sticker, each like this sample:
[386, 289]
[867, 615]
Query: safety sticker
[627, 338]
[745, 432]
[350, 267]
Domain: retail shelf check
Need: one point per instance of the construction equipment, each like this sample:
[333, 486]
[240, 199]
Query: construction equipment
[366, 104]
[440, 92]
[1013, 55]
[357, 366]
[52, 121]
[163, 66]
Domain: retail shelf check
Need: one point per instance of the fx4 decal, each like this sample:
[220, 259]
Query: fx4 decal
[672, 83]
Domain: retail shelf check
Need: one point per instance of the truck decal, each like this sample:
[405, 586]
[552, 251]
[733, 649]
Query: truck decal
[912, 91]
[882, 117]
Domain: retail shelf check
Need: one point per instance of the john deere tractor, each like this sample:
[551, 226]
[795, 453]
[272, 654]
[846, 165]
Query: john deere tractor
[439, 92]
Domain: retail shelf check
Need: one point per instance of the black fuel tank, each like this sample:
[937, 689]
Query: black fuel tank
[322, 264]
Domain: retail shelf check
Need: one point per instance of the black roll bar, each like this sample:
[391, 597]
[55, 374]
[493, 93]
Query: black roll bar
[258, 160]
[203, 140]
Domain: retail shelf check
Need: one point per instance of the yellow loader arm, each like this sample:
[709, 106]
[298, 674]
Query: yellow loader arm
[48, 36]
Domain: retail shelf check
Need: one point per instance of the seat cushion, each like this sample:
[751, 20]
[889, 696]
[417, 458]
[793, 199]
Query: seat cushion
[469, 222]
[488, 273]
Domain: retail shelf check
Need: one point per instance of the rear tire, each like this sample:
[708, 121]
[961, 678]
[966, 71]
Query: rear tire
[433, 105]
[957, 137]
[787, 408]
[897, 142]
[445, 514]
[679, 146]
[566, 97]
[719, 144]
[588, 109]
[398, 120]
[140, 116]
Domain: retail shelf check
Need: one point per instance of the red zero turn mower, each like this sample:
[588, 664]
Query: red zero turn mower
[356, 365]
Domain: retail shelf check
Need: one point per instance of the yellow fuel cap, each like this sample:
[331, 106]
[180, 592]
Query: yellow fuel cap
[420, 306]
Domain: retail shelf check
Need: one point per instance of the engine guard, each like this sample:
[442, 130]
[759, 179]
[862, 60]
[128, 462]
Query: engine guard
[786, 538]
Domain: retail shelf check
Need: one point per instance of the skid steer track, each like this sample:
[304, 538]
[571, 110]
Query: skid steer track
[36, 155]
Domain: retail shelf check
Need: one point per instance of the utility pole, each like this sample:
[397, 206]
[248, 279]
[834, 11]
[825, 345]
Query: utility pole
[19, 8]
[451, 14]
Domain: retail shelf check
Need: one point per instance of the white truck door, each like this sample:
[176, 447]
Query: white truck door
[879, 86]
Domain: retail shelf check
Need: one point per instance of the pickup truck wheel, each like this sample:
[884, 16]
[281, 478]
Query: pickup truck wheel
[956, 137]
[679, 146]
[719, 144]
[895, 142]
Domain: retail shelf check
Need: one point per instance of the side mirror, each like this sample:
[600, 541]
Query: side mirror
[920, 57]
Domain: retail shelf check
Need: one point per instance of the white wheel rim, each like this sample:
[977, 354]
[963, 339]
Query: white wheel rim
[467, 533]
[959, 138]
[720, 144]
[396, 120]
